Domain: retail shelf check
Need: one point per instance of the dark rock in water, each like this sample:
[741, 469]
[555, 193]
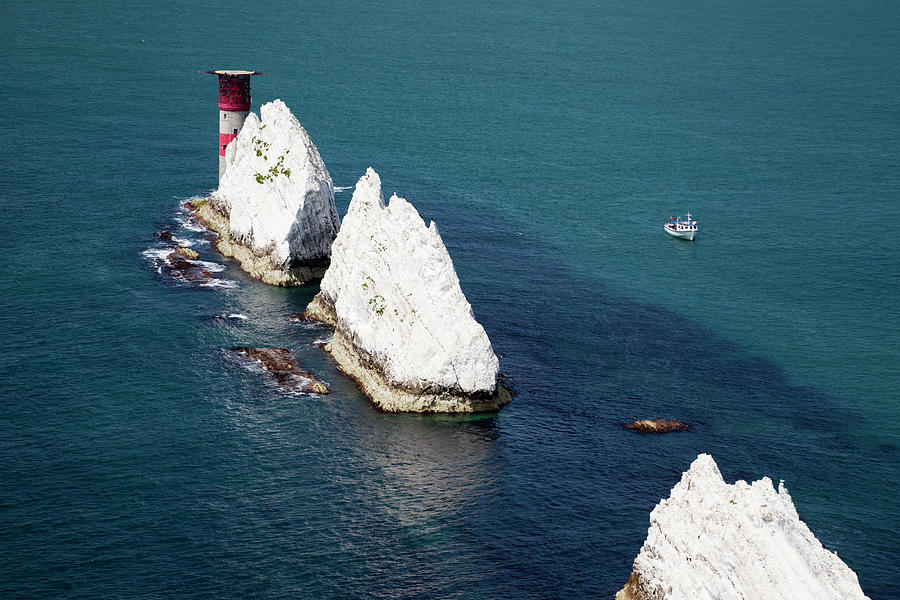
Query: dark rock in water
[281, 364]
[165, 235]
[187, 253]
[183, 269]
[657, 425]
[179, 263]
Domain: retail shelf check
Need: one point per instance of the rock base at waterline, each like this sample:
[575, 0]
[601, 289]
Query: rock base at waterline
[393, 399]
[321, 311]
[261, 267]
[631, 591]
[280, 363]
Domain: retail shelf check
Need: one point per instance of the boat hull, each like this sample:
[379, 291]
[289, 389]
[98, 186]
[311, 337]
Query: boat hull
[682, 235]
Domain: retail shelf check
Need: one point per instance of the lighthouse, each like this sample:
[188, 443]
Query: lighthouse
[234, 106]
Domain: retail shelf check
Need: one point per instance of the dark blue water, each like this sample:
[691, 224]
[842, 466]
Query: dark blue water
[549, 142]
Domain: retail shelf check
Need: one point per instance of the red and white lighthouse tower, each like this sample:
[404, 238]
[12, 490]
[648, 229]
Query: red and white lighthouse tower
[234, 106]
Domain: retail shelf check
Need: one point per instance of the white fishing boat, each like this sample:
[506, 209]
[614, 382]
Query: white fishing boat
[681, 228]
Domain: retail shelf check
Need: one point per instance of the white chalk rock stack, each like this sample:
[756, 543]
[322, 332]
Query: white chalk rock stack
[403, 328]
[715, 541]
[274, 209]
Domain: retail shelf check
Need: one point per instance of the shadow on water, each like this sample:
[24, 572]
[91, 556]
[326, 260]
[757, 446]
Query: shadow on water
[478, 425]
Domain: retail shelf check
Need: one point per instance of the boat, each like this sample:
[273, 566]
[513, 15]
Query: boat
[681, 228]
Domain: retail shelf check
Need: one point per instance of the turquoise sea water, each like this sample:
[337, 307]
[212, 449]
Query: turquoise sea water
[549, 141]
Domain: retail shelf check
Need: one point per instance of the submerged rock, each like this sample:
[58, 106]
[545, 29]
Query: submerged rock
[714, 541]
[274, 209]
[657, 425]
[280, 363]
[404, 331]
[179, 267]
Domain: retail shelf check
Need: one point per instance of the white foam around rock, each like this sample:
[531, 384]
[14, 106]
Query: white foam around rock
[716, 541]
[396, 297]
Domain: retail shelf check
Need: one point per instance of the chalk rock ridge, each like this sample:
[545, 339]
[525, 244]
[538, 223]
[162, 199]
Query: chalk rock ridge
[403, 328]
[274, 209]
[716, 541]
